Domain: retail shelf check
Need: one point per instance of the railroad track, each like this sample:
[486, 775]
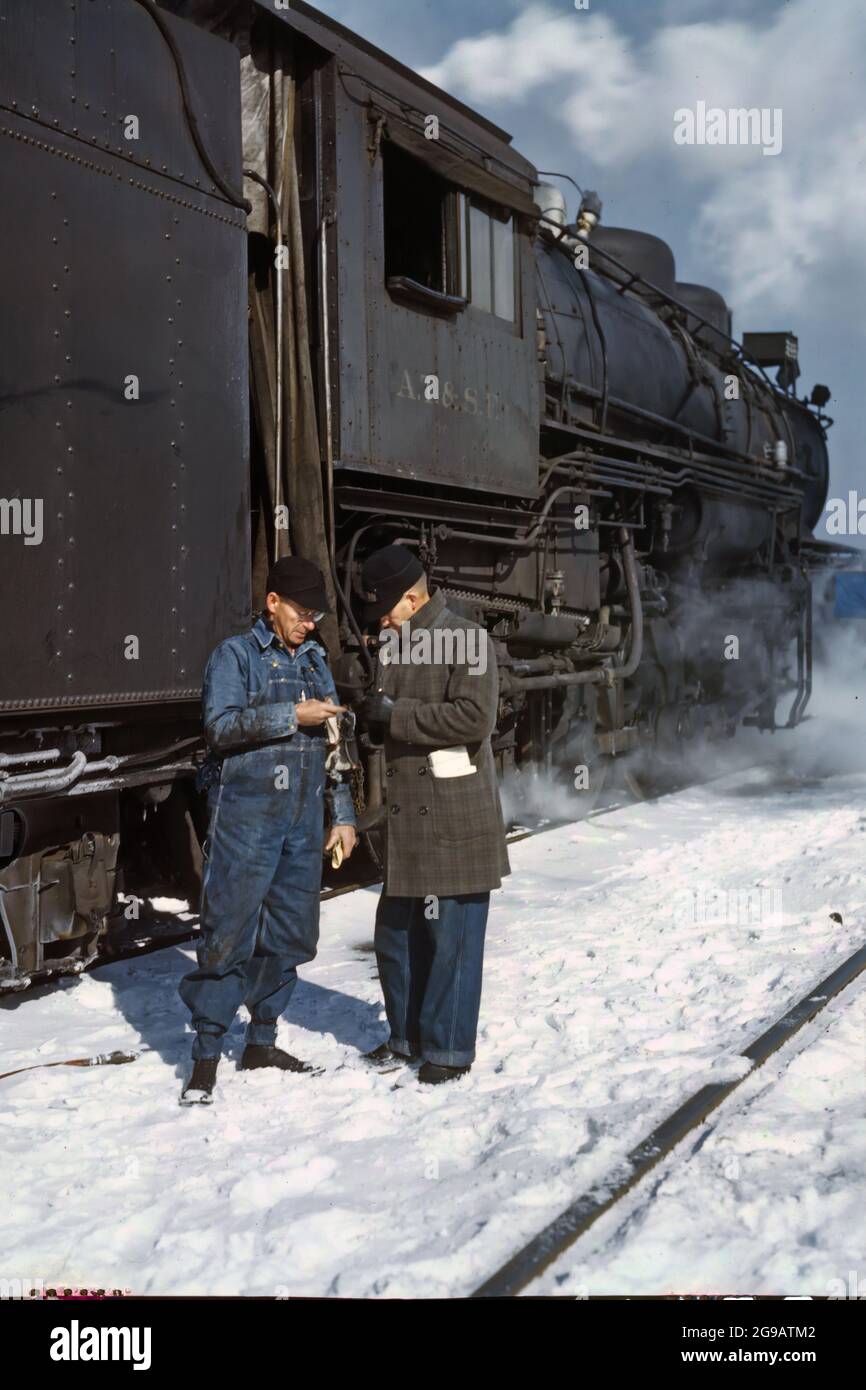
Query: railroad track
[533, 1258]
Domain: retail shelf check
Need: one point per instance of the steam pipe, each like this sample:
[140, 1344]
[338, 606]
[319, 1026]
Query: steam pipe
[278, 334]
[343, 597]
[330, 539]
[46, 755]
[529, 666]
[56, 780]
[445, 533]
[599, 675]
[43, 779]
[557, 492]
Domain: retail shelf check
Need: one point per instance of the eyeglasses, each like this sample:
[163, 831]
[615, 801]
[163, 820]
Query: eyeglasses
[308, 616]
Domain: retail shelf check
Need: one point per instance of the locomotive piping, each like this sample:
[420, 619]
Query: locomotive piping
[603, 675]
[729, 454]
[587, 284]
[61, 779]
[557, 492]
[326, 382]
[45, 755]
[347, 607]
[278, 334]
[56, 780]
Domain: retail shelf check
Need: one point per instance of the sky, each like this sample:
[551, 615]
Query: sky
[592, 93]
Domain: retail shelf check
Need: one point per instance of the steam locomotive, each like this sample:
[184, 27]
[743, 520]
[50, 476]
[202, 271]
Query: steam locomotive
[265, 289]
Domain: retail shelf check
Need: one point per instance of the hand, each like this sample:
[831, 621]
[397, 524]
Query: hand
[377, 710]
[316, 711]
[344, 835]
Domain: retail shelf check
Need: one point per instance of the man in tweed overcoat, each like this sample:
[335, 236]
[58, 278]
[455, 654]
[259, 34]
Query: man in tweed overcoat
[435, 708]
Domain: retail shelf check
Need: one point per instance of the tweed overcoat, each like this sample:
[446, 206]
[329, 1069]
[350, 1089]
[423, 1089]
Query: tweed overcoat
[444, 836]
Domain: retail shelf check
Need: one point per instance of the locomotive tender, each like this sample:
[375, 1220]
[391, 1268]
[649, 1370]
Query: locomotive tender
[266, 289]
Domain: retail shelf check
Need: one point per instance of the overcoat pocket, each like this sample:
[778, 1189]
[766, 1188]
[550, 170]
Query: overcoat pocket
[461, 808]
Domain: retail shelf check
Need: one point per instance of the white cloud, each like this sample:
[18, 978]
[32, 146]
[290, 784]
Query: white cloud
[765, 222]
[538, 50]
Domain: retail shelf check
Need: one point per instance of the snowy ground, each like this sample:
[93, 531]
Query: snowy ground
[630, 958]
[767, 1196]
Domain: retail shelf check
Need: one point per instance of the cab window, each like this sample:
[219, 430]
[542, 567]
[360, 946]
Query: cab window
[446, 242]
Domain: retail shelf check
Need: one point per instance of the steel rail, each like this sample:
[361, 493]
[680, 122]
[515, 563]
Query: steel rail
[540, 1252]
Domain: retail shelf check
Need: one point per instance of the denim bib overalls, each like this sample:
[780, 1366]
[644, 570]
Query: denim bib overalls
[263, 869]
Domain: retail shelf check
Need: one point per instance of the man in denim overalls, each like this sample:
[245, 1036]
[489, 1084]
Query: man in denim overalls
[267, 696]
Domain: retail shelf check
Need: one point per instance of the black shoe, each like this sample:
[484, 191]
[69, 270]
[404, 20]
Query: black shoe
[262, 1055]
[384, 1054]
[199, 1088]
[432, 1074]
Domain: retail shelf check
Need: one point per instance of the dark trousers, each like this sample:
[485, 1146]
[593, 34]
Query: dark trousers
[260, 903]
[430, 969]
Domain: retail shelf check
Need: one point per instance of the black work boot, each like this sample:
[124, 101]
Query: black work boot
[264, 1055]
[199, 1086]
[384, 1055]
[432, 1074]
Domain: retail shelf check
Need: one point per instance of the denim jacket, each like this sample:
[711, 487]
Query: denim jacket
[251, 687]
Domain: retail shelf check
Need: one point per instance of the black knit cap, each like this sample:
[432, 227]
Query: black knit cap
[385, 577]
[300, 582]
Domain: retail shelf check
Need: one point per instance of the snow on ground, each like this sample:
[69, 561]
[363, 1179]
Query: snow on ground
[630, 958]
[768, 1195]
